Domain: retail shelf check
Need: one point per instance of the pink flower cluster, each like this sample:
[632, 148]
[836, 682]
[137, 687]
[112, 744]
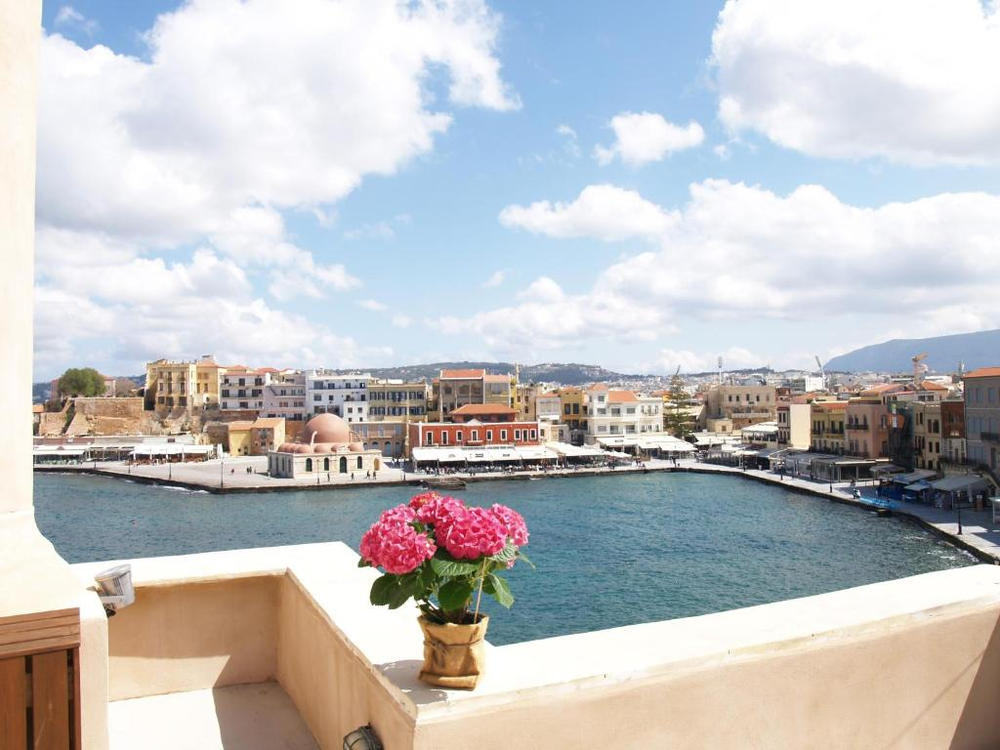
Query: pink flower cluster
[467, 533]
[394, 545]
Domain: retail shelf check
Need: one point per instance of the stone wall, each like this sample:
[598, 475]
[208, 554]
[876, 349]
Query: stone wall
[121, 408]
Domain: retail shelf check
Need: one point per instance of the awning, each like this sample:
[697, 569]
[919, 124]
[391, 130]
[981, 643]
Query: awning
[535, 453]
[886, 469]
[574, 451]
[172, 449]
[59, 451]
[914, 476]
[618, 454]
[439, 454]
[967, 483]
[916, 487]
[665, 443]
[618, 441]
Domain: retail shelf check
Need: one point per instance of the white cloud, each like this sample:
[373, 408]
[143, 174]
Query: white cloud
[606, 212]
[373, 305]
[646, 137]
[913, 82]
[722, 151]
[496, 279]
[401, 321]
[70, 17]
[743, 253]
[378, 231]
[203, 142]
[570, 145]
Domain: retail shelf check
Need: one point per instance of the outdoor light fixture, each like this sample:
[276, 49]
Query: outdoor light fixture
[362, 738]
[114, 587]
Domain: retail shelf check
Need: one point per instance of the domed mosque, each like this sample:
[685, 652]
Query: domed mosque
[326, 446]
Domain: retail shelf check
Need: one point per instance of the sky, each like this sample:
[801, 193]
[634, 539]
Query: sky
[642, 185]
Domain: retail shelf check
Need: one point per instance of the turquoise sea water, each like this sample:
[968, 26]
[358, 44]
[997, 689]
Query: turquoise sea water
[609, 551]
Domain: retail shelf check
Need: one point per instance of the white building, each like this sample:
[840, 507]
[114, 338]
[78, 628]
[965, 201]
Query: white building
[807, 383]
[548, 406]
[242, 388]
[343, 395]
[622, 413]
[285, 396]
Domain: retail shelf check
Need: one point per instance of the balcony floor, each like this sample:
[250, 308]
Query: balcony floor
[241, 716]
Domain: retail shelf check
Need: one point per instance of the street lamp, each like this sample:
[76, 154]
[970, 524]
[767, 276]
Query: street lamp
[958, 507]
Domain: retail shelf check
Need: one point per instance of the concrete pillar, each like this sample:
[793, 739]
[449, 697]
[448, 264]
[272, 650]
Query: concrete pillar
[33, 577]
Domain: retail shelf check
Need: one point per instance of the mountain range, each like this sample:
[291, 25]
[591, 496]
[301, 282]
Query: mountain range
[978, 349]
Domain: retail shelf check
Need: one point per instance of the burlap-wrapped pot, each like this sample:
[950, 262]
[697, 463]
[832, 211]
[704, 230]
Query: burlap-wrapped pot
[454, 655]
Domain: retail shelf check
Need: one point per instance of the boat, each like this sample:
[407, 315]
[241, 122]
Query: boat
[445, 483]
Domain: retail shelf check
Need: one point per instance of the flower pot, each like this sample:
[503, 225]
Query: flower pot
[454, 655]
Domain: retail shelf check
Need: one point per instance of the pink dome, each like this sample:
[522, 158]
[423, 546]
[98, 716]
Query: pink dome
[323, 448]
[286, 448]
[327, 428]
[356, 447]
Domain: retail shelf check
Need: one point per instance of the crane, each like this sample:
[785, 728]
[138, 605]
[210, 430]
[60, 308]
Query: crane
[919, 368]
[822, 372]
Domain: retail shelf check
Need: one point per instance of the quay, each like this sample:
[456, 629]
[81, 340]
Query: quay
[979, 535]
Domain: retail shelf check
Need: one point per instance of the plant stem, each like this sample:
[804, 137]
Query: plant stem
[479, 596]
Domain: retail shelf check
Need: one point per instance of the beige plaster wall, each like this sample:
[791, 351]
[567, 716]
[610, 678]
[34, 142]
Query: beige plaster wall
[193, 636]
[335, 690]
[927, 682]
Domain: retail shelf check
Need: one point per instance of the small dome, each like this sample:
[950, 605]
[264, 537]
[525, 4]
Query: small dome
[327, 428]
[356, 447]
[286, 447]
[323, 447]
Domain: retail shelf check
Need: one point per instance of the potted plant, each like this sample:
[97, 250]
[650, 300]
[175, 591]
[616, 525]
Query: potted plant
[444, 555]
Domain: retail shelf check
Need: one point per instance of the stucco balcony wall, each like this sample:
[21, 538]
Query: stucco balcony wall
[912, 663]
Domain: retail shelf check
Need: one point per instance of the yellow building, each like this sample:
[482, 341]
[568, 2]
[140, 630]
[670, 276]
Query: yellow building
[574, 403]
[828, 419]
[183, 385]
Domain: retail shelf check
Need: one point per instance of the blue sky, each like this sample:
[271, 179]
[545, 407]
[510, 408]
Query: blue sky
[222, 179]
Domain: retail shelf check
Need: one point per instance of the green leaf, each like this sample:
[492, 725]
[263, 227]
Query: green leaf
[381, 589]
[450, 567]
[522, 556]
[507, 554]
[455, 595]
[499, 589]
[363, 563]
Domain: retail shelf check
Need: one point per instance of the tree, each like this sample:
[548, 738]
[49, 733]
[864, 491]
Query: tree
[675, 419]
[81, 381]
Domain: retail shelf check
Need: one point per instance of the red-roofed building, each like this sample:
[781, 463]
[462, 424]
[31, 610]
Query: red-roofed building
[471, 434]
[483, 413]
[242, 388]
[455, 388]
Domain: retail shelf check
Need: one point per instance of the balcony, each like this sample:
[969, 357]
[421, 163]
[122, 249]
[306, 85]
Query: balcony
[857, 426]
[279, 647]
[990, 437]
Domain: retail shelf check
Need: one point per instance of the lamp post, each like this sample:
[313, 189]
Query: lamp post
[222, 473]
[958, 507]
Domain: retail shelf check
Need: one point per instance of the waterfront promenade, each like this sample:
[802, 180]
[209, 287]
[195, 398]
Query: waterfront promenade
[979, 535]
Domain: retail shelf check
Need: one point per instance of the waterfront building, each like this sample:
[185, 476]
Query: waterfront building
[793, 419]
[927, 434]
[982, 416]
[953, 450]
[387, 437]
[548, 405]
[189, 386]
[745, 405]
[242, 388]
[397, 400]
[487, 413]
[761, 435]
[285, 397]
[455, 388]
[828, 419]
[574, 403]
[617, 413]
[525, 400]
[326, 446]
[867, 426]
[472, 434]
[346, 396]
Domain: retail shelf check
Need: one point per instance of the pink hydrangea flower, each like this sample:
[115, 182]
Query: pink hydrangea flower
[424, 497]
[471, 532]
[439, 510]
[513, 522]
[394, 545]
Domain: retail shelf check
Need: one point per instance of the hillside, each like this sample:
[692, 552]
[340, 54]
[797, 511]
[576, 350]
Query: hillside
[567, 374]
[979, 349]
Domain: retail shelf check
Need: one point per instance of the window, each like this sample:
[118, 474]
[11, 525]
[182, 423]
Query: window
[489, 436]
[429, 438]
[534, 434]
[343, 464]
[444, 438]
[326, 464]
[503, 436]
[360, 463]
[309, 464]
[475, 436]
[458, 436]
[517, 434]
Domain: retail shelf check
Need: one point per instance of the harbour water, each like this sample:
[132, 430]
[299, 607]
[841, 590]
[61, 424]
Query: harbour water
[609, 551]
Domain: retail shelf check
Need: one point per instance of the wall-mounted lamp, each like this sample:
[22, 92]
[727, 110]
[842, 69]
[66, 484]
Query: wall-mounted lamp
[362, 738]
[114, 587]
